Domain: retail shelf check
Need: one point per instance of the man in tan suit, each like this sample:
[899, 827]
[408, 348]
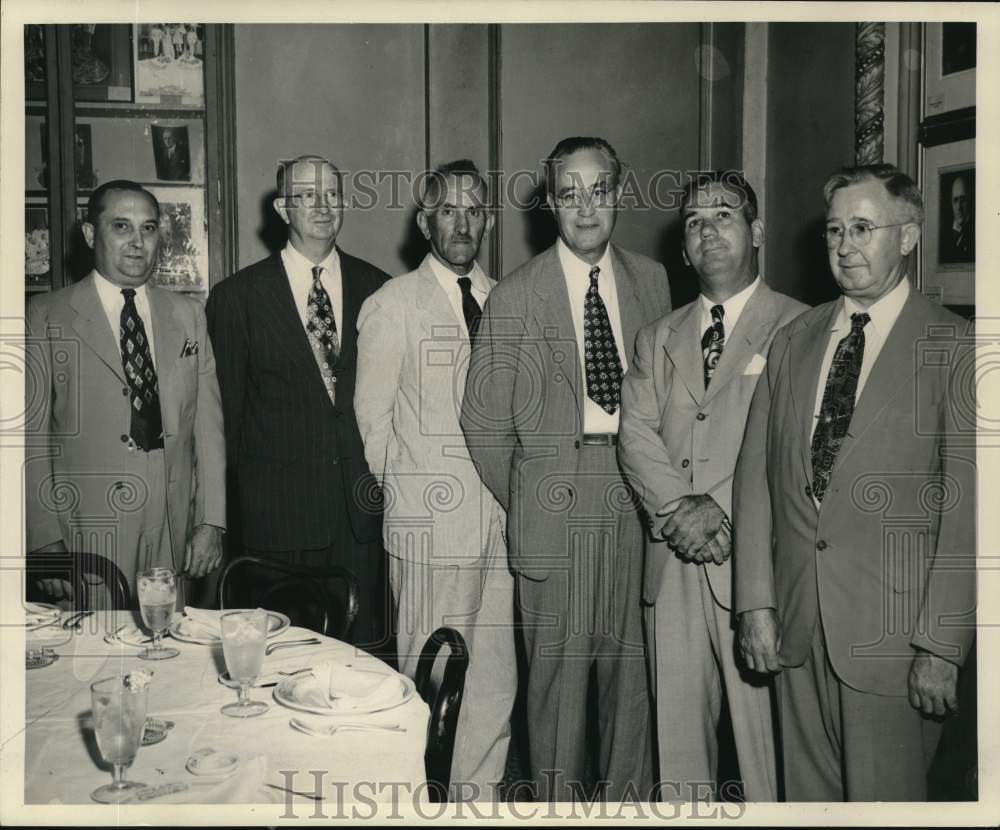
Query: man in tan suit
[684, 407]
[131, 458]
[443, 528]
[854, 511]
[540, 415]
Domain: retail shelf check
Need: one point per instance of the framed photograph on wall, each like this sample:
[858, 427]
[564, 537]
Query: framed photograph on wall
[183, 262]
[949, 67]
[948, 247]
[102, 62]
[170, 64]
[37, 265]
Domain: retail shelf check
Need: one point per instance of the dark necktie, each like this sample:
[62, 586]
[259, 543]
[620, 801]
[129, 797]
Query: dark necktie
[712, 342]
[322, 331]
[145, 422]
[601, 361]
[470, 308]
[838, 403]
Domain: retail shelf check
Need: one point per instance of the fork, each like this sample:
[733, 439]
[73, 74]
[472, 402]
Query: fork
[289, 643]
[327, 731]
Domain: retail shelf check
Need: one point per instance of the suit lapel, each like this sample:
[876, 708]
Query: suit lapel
[168, 331]
[555, 319]
[91, 323]
[351, 308]
[629, 306]
[805, 358]
[277, 308]
[683, 347]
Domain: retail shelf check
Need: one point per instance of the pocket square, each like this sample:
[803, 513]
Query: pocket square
[756, 365]
[190, 348]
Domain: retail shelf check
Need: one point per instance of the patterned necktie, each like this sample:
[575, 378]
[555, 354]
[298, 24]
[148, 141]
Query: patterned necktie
[838, 403]
[712, 342]
[322, 331]
[145, 422]
[601, 361]
[470, 308]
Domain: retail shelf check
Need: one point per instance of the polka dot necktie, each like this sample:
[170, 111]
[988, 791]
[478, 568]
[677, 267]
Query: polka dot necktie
[838, 403]
[712, 342]
[145, 421]
[601, 361]
[322, 331]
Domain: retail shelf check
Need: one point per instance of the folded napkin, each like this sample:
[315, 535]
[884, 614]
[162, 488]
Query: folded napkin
[130, 635]
[35, 614]
[240, 787]
[339, 688]
[201, 622]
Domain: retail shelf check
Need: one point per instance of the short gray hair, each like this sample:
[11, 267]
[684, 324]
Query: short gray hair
[896, 183]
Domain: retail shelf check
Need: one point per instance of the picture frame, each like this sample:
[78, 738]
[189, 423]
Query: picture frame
[86, 177]
[102, 62]
[170, 64]
[947, 255]
[37, 263]
[183, 264]
[949, 67]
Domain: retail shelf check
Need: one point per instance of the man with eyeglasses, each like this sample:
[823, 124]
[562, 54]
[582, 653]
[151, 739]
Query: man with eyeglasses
[540, 416]
[685, 401]
[854, 511]
[284, 331]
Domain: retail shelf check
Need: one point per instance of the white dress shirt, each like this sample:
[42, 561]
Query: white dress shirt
[449, 282]
[577, 272]
[884, 313]
[300, 278]
[113, 302]
[731, 308]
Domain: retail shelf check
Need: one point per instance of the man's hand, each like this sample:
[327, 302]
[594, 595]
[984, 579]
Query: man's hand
[693, 520]
[932, 683]
[759, 639]
[204, 551]
[58, 589]
[717, 549]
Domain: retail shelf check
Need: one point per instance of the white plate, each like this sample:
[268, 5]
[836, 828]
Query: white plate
[284, 694]
[277, 623]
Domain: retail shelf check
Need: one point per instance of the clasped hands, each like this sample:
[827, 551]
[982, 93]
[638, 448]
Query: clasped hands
[697, 529]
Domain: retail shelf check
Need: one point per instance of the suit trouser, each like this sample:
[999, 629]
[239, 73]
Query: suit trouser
[844, 745]
[478, 602]
[692, 660]
[587, 611]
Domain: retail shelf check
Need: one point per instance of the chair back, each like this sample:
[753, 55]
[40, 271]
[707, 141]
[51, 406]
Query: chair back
[302, 593]
[73, 567]
[445, 706]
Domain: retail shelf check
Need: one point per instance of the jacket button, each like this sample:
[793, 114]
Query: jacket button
[334, 460]
[821, 545]
[576, 445]
[685, 463]
[125, 391]
[809, 491]
[124, 439]
[700, 416]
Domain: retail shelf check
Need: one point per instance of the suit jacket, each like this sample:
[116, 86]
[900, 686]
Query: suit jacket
[413, 356]
[884, 563]
[523, 407]
[78, 413]
[292, 450]
[677, 438]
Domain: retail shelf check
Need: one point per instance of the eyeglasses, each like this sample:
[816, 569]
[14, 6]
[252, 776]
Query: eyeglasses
[860, 233]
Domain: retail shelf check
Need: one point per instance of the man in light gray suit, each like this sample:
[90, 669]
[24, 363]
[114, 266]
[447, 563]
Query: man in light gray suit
[443, 528]
[684, 408]
[541, 419]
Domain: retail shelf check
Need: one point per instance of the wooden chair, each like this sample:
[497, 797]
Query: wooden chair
[74, 567]
[300, 592]
[445, 706]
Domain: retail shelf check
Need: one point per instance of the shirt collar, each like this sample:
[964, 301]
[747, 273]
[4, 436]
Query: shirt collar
[449, 278]
[295, 260]
[573, 266]
[883, 312]
[111, 293]
[731, 308]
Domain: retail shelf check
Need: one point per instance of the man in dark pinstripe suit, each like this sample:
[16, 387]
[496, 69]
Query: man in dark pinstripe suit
[284, 332]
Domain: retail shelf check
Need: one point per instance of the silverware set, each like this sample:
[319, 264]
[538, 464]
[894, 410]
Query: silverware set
[334, 728]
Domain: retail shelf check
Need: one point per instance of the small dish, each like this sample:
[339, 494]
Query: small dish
[155, 730]
[39, 658]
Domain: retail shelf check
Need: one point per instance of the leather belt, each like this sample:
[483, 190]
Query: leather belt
[600, 439]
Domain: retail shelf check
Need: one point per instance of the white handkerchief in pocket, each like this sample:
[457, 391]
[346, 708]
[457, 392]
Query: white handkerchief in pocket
[756, 365]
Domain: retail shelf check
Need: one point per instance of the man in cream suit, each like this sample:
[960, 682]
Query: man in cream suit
[443, 528]
[854, 511]
[684, 407]
[131, 458]
[541, 418]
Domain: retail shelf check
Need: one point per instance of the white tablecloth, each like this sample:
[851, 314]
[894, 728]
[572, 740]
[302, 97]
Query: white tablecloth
[63, 766]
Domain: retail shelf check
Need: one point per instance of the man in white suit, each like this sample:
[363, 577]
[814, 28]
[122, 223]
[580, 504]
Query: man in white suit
[444, 530]
[130, 461]
[684, 407]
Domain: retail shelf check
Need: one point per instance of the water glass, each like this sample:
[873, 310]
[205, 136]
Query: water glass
[119, 710]
[157, 588]
[244, 636]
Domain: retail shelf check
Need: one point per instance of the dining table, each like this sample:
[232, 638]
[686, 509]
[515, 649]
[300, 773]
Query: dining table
[277, 763]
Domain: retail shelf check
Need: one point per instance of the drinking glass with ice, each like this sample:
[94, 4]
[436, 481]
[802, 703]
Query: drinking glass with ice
[157, 588]
[244, 636]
